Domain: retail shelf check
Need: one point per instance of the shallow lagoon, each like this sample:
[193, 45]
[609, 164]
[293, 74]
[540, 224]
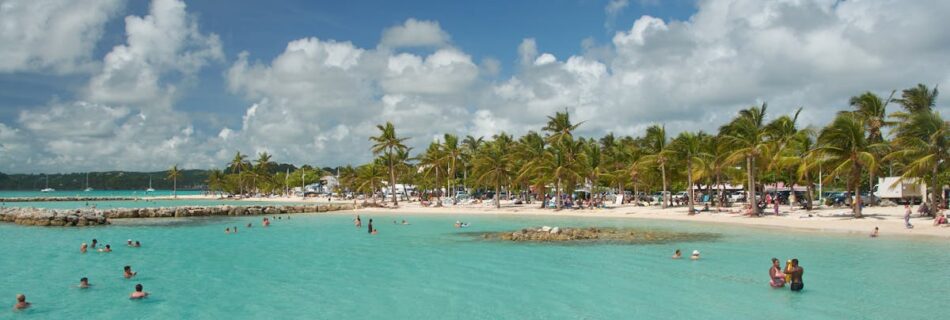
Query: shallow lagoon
[320, 266]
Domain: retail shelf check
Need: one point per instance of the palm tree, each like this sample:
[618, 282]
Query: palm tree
[560, 127]
[262, 169]
[918, 99]
[173, 175]
[452, 152]
[530, 152]
[470, 146]
[658, 155]
[388, 143]
[492, 166]
[216, 180]
[370, 175]
[923, 142]
[594, 166]
[688, 148]
[238, 164]
[845, 148]
[432, 161]
[746, 136]
[873, 111]
[563, 162]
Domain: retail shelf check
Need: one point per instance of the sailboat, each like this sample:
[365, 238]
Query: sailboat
[149, 185]
[87, 183]
[47, 189]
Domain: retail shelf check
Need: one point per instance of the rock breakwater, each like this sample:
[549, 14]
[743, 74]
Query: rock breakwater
[93, 217]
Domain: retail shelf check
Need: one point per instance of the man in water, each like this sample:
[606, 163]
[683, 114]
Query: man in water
[21, 302]
[677, 254]
[695, 255]
[370, 229]
[84, 283]
[358, 222]
[128, 274]
[108, 248]
[796, 273]
[129, 243]
[138, 294]
[138, 244]
[83, 247]
[94, 243]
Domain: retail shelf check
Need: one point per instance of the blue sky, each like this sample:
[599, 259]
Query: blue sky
[143, 85]
[491, 28]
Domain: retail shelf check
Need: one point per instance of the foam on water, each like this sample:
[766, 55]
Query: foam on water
[320, 266]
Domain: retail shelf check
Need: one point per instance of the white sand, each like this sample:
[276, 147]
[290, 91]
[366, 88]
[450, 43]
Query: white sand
[890, 220]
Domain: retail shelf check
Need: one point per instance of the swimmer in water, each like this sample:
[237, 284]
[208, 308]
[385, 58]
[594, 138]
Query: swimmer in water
[776, 275]
[374, 231]
[235, 229]
[695, 255]
[138, 244]
[108, 248]
[83, 247]
[358, 222]
[796, 273]
[227, 230]
[405, 222]
[128, 274]
[138, 294]
[370, 228]
[875, 232]
[677, 254]
[94, 243]
[84, 283]
[248, 224]
[21, 302]
[129, 243]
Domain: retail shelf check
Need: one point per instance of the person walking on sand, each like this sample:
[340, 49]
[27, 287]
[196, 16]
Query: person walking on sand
[796, 274]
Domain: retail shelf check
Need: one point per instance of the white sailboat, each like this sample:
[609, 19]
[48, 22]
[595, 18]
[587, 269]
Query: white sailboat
[149, 185]
[87, 183]
[47, 189]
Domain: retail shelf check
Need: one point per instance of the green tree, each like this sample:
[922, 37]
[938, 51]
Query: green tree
[173, 175]
[387, 144]
[492, 167]
[687, 147]
[923, 142]
[846, 149]
[746, 137]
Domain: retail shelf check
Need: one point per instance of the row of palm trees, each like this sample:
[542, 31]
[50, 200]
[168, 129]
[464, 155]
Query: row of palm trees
[753, 148]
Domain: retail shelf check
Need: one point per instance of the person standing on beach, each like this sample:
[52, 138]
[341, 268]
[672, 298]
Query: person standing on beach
[796, 273]
[370, 229]
[907, 212]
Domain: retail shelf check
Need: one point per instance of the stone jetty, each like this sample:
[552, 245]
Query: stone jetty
[87, 199]
[93, 217]
[594, 235]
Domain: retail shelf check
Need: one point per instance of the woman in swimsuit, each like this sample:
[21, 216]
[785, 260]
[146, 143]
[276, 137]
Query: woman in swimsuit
[776, 274]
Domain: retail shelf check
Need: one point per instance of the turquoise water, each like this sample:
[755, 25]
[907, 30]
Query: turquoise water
[110, 204]
[95, 193]
[321, 267]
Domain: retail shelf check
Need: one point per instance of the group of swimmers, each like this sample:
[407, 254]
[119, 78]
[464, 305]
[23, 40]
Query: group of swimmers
[791, 275]
[264, 222]
[127, 273]
[679, 254]
[370, 229]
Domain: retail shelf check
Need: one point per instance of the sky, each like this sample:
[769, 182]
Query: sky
[95, 85]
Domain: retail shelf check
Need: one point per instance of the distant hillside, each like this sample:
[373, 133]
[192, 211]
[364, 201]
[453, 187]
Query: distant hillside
[112, 180]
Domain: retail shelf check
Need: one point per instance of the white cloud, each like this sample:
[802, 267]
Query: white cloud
[165, 41]
[319, 100]
[415, 33]
[49, 35]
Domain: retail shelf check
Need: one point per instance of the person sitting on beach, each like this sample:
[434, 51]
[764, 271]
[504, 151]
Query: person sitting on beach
[695, 255]
[83, 247]
[875, 232]
[128, 274]
[21, 302]
[796, 275]
[108, 248]
[940, 220]
[138, 294]
[776, 275]
[84, 283]
[677, 254]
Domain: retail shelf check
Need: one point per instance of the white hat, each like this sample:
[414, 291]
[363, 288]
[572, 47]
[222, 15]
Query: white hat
[695, 252]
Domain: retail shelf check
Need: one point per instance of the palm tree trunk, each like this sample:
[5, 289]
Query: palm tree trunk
[856, 205]
[689, 187]
[497, 195]
[663, 176]
[934, 193]
[557, 194]
[392, 179]
[753, 205]
[175, 187]
[870, 187]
